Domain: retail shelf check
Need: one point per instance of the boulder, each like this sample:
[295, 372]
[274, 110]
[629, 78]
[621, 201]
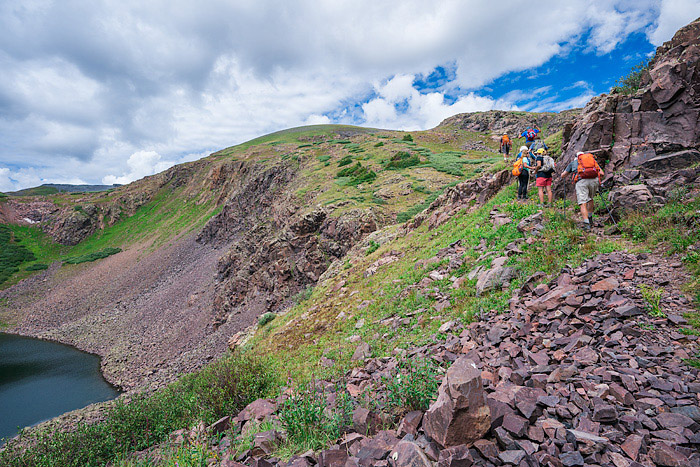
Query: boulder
[259, 409]
[409, 454]
[460, 415]
[631, 198]
[494, 278]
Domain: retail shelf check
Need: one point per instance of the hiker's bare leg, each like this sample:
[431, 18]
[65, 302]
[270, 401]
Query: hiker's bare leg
[540, 193]
[584, 211]
[549, 193]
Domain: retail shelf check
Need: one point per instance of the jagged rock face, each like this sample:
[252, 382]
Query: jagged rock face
[513, 123]
[655, 130]
[272, 263]
[276, 250]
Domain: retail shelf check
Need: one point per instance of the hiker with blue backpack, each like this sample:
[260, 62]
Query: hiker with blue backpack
[530, 135]
[521, 167]
[545, 169]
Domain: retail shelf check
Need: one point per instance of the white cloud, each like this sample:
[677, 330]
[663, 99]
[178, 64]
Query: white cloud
[400, 105]
[140, 164]
[97, 90]
[673, 15]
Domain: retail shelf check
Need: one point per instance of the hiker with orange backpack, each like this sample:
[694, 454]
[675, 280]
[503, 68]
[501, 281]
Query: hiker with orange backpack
[505, 146]
[521, 167]
[586, 174]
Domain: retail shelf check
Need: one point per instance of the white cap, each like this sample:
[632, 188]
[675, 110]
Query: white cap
[523, 148]
[579, 153]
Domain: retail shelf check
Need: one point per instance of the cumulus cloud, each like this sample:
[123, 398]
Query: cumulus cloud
[399, 104]
[143, 163]
[116, 90]
[672, 16]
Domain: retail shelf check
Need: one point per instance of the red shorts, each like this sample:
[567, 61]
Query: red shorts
[541, 181]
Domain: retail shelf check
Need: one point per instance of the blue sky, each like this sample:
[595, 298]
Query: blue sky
[110, 91]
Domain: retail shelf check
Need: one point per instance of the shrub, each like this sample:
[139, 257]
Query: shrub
[12, 254]
[357, 174]
[304, 294]
[266, 318]
[37, 267]
[631, 83]
[309, 423]
[402, 160]
[413, 386]
[407, 137]
[347, 160]
[379, 144]
[92, 256]
[449, 162]
[324, 158]
[373, 246]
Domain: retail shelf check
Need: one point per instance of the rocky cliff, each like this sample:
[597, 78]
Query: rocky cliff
[654, 131]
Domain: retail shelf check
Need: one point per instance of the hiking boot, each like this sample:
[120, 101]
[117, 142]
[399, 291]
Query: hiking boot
[587, 226]
[590, 219]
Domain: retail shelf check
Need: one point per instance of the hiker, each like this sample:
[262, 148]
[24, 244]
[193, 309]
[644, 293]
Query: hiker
[505, 146]
[537, 145]
[521, 167]
[545, 169]
[586, 173]
[530, 135]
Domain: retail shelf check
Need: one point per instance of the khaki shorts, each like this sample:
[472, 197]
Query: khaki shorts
[586, 189]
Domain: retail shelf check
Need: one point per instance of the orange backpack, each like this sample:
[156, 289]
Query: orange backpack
[518, 167]
[587, 167]
[505, 140]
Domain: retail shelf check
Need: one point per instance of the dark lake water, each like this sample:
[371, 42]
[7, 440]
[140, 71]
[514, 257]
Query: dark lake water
[40, 380]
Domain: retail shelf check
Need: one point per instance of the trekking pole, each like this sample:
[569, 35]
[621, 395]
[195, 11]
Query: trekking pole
[607, 207]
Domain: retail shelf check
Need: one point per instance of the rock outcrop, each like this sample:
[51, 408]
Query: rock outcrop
[498, 122]
[652, 132]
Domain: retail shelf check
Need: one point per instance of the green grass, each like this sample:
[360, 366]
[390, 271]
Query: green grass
[413, 386]
[104, 253]
[13, 254]
[403, 160]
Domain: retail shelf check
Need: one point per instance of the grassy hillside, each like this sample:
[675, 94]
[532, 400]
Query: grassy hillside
[389, 305]
[340, 167]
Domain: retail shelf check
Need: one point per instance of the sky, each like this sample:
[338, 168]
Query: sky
[109, 91]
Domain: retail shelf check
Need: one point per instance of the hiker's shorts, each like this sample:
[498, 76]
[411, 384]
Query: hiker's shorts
[586, 189]
[543, 181]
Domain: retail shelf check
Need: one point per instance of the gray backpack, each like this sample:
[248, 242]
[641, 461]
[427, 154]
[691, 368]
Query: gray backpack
[547, 164]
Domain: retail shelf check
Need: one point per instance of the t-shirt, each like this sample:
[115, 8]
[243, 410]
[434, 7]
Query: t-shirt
[543, 173]
[524, 134]
[572, 168]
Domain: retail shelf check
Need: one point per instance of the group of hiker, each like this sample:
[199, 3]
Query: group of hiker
[532, 158]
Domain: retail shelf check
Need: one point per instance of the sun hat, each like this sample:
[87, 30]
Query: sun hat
[523, 148]
[540, 151]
